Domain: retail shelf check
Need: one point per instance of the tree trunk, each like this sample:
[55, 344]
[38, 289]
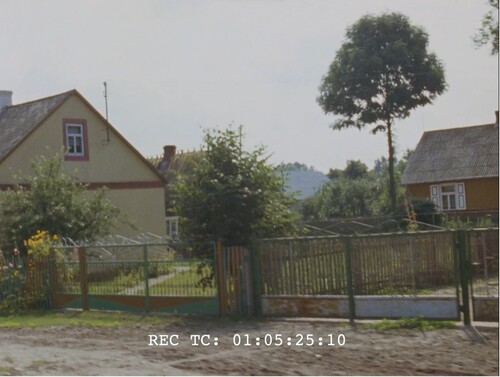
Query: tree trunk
[392, 180]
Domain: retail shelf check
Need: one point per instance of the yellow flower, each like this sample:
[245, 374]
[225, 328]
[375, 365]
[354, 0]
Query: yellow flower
[40, 243]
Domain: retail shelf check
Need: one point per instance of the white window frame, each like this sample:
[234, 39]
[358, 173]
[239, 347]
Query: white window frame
[438, 196]
[172, 223]
[72, 139]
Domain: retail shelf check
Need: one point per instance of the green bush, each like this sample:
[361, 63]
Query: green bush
[55, 204]
[21, 283]
[416, 323]
[425, 211]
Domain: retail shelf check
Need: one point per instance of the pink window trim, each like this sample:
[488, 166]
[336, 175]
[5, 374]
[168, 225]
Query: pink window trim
[85, 156]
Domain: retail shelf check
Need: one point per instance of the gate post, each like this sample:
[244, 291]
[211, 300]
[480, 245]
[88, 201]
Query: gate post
[220, 276]
[52, 280]
[247, 285]
[256, 269]
[464, 268]
[147, 301]
[84, 286]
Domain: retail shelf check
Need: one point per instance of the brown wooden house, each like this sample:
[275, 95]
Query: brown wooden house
[456, 168]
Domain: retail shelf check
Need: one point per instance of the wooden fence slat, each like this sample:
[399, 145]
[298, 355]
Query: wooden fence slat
[391, 263]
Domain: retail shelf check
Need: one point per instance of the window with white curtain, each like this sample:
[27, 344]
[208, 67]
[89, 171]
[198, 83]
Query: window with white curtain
[449, 196]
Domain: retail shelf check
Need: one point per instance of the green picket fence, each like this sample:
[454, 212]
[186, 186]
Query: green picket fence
[24, 283]
[170, 278]
[406, 263]
[419, 263]
[164, 275]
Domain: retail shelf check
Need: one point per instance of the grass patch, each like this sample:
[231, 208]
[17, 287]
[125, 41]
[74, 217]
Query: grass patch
[9, 371]
[35, 364]
[417, 323]
[89, 318]
[182, 283]
[390, 291]
[177, 278]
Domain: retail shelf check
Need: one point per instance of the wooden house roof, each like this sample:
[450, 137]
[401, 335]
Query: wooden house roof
[454, 154]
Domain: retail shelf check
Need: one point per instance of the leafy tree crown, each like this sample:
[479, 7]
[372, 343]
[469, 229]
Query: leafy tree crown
[232, 194]
[488, 32]
[54, 202]
[381, 72]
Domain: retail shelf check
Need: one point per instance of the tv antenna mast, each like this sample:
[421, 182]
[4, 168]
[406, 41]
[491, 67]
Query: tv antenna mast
[106, 103]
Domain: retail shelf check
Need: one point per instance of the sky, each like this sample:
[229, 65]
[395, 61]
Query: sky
[175, 68]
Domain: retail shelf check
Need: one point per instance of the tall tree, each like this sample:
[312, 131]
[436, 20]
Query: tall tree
[381, 172]
[488, 32]
[355, 170]
[381, 72]
[295, 166]
[343, 198]
[231, 194]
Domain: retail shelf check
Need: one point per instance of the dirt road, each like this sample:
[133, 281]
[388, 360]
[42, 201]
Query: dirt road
[338, 349]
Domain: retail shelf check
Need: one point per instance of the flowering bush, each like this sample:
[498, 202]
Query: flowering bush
[55, 202]
[11, 281]
[40, 243]
[23, 277]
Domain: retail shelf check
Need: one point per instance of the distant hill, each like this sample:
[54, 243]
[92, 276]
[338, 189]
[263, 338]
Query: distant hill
[305, 181]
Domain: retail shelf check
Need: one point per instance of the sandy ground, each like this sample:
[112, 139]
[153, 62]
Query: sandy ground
[125, 351]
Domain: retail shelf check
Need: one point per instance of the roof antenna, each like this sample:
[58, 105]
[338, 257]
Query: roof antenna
[106, 103]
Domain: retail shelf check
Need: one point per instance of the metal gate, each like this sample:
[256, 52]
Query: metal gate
[348, 276]
[152, 276]
[483, 249]
[235, 280]
[410, 274]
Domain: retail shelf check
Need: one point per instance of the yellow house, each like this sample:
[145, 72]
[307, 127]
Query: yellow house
[456, 168]
[95, 151]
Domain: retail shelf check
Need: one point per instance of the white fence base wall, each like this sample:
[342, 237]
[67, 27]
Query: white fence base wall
[485, 308]
[432, 307]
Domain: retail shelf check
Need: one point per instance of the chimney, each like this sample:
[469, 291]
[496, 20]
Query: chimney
[168, 153]
[5, 98]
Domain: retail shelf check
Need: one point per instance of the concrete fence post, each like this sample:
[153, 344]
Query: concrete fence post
[464, 268]
[348, 268]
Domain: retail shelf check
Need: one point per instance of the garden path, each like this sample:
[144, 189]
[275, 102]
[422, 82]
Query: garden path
[139, 288]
